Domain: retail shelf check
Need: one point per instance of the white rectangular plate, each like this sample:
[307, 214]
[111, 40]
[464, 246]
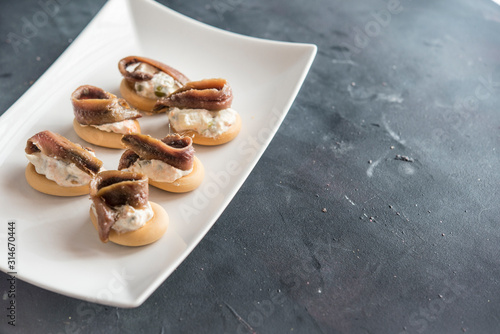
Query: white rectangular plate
[57, 246]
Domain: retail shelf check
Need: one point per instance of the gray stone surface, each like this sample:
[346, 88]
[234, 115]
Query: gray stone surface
[403, 247]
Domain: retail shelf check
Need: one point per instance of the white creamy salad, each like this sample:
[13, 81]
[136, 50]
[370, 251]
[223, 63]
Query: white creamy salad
[63, 173]
[130, 219]
[207, 123]
[160, 85]
[158, 170]
[124, 127]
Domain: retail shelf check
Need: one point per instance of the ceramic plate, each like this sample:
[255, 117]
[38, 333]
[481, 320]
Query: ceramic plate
[57, 248]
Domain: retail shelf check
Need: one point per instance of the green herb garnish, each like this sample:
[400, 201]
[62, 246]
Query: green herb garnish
[159, 91]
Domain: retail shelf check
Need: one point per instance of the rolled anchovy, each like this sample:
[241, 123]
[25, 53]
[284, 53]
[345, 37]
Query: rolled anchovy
[175, 150]
[113, 188]
[137, 76]
[209, 94]
[94, 106]
[56, 146]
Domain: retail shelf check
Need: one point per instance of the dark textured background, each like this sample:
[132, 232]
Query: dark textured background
[408, 247]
